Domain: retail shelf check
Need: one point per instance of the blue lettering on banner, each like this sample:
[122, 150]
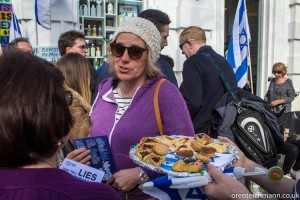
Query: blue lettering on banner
[48, 53]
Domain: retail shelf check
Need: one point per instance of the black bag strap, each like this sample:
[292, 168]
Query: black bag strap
[225, 83]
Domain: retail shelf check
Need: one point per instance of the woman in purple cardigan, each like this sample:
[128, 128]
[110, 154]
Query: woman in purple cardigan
[124, 110]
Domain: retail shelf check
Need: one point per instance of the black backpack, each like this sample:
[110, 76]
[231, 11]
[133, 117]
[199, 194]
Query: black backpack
[254, 138]
[247, 120]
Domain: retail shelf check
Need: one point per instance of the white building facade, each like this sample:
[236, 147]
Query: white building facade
[278, 30]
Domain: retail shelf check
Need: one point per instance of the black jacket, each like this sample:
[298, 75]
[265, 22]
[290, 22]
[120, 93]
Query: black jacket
[202, 87]
[224, 113]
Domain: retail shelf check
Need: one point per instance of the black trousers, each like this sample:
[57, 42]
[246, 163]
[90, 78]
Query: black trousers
[292, 155]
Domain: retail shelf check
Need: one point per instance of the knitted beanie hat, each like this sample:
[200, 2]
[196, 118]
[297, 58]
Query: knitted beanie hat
[146, 30]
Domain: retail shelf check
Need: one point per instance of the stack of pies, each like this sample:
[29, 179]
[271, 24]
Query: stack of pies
[201, 148]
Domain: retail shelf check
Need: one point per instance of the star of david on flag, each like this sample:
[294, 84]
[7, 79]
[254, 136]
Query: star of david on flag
[237, 54]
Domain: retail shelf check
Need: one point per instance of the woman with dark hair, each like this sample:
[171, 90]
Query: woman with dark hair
[34, 124]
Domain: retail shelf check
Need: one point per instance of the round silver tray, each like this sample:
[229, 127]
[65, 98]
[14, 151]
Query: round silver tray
[171, 158]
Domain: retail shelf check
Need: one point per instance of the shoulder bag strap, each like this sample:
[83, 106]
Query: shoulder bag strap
[156, 107]
[226, 85]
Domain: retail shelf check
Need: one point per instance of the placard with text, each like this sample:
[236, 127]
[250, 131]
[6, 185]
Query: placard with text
[102, 158]
[81, 171]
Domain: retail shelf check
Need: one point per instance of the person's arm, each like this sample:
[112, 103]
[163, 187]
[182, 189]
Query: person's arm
[224, 187]
[290, 91]
[125, 180]
[192, 88]
[284, 186]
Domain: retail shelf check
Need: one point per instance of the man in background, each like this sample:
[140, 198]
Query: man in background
[21, 43]
[202, 86]
[162, 21]
[74, 41]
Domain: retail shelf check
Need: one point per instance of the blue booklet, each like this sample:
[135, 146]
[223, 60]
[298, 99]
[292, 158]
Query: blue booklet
[101, 154]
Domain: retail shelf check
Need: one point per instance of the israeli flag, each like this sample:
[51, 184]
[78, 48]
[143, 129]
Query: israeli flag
[184, 188]
[43, 13]
[14, 29]
[168, 188]
[237, 54]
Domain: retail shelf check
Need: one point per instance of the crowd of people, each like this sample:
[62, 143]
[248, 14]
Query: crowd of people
[53, 104]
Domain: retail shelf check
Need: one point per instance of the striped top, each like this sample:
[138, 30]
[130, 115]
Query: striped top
[123, 104]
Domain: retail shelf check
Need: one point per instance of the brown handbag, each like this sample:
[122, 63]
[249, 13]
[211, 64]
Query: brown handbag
[156, 107]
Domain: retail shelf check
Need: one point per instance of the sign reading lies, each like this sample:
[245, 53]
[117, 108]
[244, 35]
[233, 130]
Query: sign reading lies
[82, 171]
[48, 53]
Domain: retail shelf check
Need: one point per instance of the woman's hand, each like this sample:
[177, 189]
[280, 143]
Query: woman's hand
[81, 155]
[286, 136]
[125, 180]
[277, 102]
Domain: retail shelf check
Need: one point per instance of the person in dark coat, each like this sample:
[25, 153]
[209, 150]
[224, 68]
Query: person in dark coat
[201, 86]
[162, 21]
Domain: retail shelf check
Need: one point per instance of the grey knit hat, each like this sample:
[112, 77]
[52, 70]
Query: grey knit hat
[146, 30]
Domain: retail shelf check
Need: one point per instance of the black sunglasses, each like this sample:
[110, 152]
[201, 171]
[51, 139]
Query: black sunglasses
[134, 52]
[69, 97]
[181, 45]
[277, 72]
[82, 47]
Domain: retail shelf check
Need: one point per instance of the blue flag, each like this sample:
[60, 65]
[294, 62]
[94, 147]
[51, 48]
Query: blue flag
[237, 54]
[14, 29]
[43, 13]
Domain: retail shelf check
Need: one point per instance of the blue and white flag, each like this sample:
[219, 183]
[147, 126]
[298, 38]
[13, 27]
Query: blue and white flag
[237, 54]
[43, 13]
[168, 188]
[14, 29]
[184, 188]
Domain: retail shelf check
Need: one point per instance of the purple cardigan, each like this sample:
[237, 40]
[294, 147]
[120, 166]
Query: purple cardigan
[139, 119]
[50, 184]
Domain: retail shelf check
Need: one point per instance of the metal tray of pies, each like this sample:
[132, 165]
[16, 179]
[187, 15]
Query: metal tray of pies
[220, 160]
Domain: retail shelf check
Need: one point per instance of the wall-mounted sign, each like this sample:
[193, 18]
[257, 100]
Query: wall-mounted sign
[48, 53]
[5, 18]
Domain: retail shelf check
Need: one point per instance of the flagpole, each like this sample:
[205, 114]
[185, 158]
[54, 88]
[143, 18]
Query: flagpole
[250, 67]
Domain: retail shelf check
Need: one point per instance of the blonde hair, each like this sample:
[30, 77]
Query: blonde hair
[193, 32]
[279, 66]
[76, 71]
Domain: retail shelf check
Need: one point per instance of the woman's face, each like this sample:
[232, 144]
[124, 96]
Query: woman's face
[128, 69]
[278, 73]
